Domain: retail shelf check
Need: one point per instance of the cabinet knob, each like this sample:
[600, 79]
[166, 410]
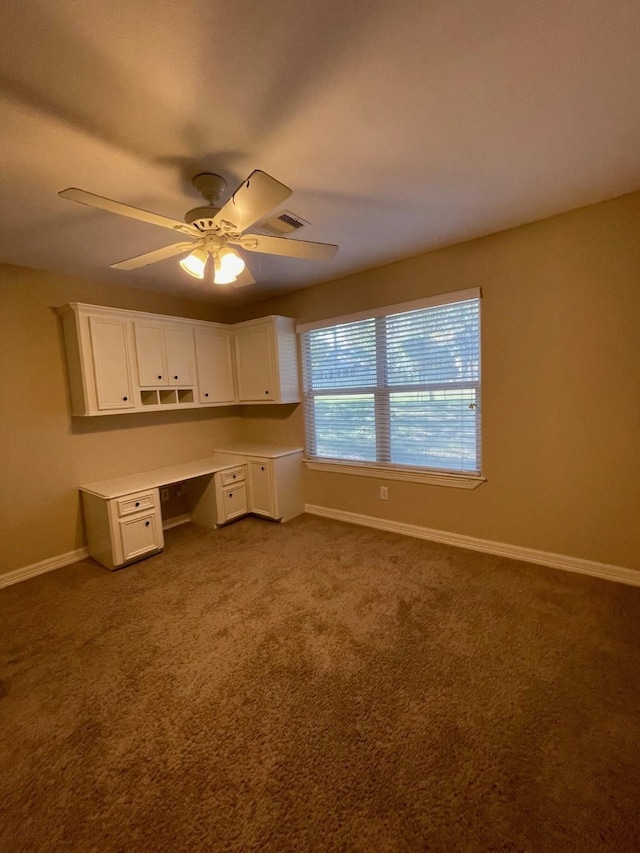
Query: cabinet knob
[159, 377]
[147, 523]
[137, 503]
[262, 467]
[125, 398]
[206, 394]
[266, 392]
[230, 494]
[175, 377]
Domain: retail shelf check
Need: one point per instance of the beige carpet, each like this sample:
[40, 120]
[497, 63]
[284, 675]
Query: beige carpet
[317, 686]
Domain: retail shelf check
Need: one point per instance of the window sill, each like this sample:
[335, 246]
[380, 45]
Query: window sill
[408, 475]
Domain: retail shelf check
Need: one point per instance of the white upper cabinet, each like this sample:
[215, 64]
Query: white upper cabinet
[266, 361]
[214, 364]
[164, 355]
[110, 359]
[99, 349]
[254, 360]
[124, 361]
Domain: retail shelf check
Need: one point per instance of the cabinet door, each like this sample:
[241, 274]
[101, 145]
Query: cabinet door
[262, 499]
[234, 501]
[214, 365]
[152, 369]
[140, 535]
[180, 356]
[255, 363]
[110, 355]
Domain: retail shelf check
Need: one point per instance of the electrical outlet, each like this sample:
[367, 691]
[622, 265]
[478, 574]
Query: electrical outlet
[164, 494]
[384, 493]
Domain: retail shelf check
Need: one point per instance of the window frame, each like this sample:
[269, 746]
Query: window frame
[381, 392]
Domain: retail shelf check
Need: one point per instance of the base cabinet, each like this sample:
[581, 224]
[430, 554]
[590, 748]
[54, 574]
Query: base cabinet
[231, 494]
[123, 529]
[275, 485]
[123, 519]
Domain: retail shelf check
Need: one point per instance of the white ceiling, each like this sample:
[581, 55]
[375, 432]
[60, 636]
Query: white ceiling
[400, 126]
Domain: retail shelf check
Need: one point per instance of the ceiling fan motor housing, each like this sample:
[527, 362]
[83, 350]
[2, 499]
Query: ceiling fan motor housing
[211, 187]
[202, 218]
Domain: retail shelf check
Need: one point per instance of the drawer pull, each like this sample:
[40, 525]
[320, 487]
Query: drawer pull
[175, 377]
[125, 398]
[262, 467]
[206, 394]
[147, 523]
[137, 503]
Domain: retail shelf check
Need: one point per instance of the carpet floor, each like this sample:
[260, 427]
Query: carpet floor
[316, 686]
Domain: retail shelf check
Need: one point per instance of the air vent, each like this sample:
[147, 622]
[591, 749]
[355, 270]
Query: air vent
[282, 224]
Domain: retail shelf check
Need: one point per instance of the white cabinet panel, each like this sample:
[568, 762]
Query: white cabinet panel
[164, 355]
[234, 501]
[140, 535]
[180, 355]
[255, 363]
[110, 356]
[150, 355]
[262, 496]
[214, 365]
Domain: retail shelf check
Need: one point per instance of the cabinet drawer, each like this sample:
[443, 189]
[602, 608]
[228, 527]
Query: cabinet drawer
[234, 501]
[234, 475]
[135, 503]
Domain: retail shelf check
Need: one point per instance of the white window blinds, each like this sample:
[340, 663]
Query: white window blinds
[400, 388]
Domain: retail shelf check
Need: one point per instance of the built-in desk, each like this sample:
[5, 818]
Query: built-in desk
[123, 518]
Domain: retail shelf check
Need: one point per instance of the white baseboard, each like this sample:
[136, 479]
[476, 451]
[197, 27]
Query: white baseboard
[43, 566]
[515, 552]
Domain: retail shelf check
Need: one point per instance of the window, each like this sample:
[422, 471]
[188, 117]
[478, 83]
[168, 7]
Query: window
[398, 388]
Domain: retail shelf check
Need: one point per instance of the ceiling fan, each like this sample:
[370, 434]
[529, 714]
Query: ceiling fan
[216, 230]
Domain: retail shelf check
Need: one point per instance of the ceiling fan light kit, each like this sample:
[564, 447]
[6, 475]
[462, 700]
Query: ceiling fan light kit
[230, 261]
[221, 276]
[216, 230]
[195, 263]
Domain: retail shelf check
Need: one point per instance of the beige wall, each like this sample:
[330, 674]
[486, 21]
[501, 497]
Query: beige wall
[561, 385]
[44, 453]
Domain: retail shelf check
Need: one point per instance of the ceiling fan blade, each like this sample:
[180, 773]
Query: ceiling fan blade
[152, 257]
[259, 194]
[84, 197]
[289, 248]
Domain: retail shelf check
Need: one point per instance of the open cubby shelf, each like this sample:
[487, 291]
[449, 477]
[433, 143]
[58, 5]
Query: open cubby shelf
[166, 396]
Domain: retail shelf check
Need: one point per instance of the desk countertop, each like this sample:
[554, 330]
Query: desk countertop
[119, 486]
[266, 451]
